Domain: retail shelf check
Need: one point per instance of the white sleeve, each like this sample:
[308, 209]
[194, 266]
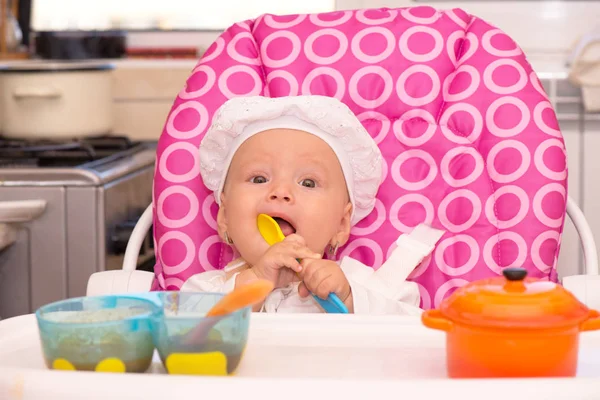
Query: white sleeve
[386, 290]
[210, 281]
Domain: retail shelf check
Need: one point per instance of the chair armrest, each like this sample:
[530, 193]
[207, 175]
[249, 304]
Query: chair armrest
[119, 282]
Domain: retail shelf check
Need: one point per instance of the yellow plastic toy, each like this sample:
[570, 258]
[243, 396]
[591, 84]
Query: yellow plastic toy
[214, 364]
[110, 365]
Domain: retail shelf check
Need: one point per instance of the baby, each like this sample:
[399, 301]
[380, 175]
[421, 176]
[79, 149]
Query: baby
[307, 162]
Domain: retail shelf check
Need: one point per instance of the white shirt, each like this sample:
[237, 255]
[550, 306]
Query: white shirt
[382, 291]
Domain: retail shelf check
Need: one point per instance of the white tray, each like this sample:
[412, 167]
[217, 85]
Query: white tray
[295, 356]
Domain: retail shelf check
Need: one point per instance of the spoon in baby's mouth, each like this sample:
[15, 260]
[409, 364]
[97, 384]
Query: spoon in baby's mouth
[271, 232]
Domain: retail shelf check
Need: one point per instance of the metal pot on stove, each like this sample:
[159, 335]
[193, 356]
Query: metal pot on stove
[56, 100]
[512, 326]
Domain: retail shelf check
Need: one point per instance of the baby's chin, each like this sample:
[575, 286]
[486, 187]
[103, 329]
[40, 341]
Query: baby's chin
[250, 259]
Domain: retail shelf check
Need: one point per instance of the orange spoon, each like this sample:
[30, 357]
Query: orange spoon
[241, 297]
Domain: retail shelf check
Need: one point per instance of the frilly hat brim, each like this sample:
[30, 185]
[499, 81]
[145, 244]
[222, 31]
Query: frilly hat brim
[241, 117]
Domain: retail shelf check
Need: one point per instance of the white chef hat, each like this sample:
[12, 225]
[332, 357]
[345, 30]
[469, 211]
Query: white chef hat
[240, 118]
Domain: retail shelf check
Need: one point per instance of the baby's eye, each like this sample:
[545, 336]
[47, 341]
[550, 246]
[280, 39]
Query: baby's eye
[258, 179]
[309, 183]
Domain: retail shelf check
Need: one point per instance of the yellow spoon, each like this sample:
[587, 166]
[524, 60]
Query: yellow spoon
[271, 232]
[269, 229]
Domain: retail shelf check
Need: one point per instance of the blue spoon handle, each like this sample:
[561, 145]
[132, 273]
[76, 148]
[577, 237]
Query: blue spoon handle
[332, 305]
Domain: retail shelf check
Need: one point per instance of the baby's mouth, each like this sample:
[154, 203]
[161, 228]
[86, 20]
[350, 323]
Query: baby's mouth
[286, 228]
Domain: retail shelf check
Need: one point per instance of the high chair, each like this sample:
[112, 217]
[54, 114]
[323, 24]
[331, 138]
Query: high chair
[450, 100]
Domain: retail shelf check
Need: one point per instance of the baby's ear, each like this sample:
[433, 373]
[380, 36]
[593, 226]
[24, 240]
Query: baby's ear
[222, 219]
[343, 233]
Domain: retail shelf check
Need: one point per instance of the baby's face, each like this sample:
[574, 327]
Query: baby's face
[292, 176]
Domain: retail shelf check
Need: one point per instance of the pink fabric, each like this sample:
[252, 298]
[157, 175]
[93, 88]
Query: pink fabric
[471, 142]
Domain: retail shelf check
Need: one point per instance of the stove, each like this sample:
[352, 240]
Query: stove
[94, 190]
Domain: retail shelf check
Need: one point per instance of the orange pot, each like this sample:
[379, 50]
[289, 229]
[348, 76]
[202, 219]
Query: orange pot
[512, 326]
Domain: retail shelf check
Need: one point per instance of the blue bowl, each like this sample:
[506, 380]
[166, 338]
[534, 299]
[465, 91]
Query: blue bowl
[217, 353]
[102, 333]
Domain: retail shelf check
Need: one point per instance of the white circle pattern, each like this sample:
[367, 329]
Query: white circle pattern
[193, 172]
[423, 183]
[420, 100]
[507, 132]
[406, 199]
[536, 247]
[233, 53]
[410, 55]
[224, 84]
[289, 78]
[468, 265]
[362, 56]
[538, 209]
[385, 94]
[539, 120]
[361, 16]
[210, 81]
[488, 250]
[385, 124]
[194, 207]
[477, 123]
[407, 116]
[473, 86]
[325, 71]
[335, 57]
[451, 155]
[475, 204]
[287, 60]
[407, 14]
[195, 130]
[495, 175]
[491, 203]
[486, 43]
[315, 19]
[538, 159]
[488, 77]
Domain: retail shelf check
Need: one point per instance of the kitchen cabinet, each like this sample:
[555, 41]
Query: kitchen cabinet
[143, 92]
[140, 119]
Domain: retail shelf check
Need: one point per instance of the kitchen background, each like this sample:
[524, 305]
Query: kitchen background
[64, 223]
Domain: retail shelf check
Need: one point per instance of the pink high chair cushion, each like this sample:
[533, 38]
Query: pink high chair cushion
[470, 140]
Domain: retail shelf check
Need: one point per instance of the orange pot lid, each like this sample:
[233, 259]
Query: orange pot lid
[514, 301]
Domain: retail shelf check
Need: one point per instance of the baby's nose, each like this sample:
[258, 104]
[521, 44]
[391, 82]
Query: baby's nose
[285, 198]
[281, 193]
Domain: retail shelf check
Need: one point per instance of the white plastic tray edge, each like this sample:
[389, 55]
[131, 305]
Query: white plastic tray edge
[35, 384]
[25, 384]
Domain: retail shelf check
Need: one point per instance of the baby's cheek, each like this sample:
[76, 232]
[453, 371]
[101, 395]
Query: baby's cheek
[255, 250]
[317, 242]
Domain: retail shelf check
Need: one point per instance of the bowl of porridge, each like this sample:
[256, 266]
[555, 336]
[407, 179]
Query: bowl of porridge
[101, 333]
[188, 342]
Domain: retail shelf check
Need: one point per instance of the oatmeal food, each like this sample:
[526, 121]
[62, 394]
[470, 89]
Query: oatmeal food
[81, 333]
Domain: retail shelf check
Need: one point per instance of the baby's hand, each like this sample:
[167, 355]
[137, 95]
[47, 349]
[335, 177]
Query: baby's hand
[322, 277]
[279, 264]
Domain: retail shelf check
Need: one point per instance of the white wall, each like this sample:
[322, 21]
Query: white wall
[539, 27]
[161, 14]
